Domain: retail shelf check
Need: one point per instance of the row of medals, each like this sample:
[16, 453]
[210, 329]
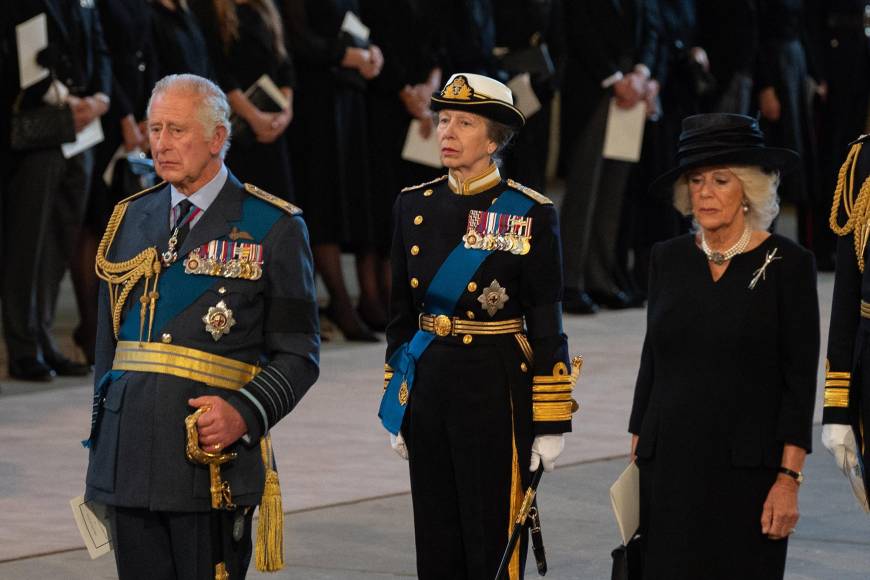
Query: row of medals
[195, 264]
[513, 243]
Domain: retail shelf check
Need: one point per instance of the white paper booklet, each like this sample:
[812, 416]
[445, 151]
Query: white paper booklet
[418, 149]
[525, 98]
[624, 134]
[625, 498]
[93, 524]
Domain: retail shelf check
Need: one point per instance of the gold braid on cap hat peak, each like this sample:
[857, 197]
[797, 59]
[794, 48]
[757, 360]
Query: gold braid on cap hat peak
[856, 207]
[126, 274]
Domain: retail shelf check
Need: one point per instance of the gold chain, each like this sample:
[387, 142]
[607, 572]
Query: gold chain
[122, 277]
[856, 207]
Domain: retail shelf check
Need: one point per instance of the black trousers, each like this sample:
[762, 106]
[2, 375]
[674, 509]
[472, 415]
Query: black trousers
[176, 545]
[43, 213]
[461, 440]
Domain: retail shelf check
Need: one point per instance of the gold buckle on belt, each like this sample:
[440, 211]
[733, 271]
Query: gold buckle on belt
[443, 325]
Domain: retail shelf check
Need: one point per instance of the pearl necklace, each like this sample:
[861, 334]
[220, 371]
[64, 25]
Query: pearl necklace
[720, 258]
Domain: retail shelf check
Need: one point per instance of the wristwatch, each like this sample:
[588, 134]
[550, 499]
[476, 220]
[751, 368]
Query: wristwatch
[796, 475]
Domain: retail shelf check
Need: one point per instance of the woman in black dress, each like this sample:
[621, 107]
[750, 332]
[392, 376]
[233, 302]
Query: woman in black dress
[723, 407]
[246, 40]
[331, 158]
[178, 41]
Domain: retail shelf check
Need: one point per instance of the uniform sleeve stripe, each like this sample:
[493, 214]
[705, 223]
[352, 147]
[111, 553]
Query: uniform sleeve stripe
[290, 392]
[275, 384]
[259, 408]
[260, 384]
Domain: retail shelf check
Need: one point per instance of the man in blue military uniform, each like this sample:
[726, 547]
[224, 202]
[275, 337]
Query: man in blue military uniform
[847, 379]
[208, 303]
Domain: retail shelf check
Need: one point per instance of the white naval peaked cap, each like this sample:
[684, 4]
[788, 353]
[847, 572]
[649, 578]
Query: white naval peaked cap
[479, 94]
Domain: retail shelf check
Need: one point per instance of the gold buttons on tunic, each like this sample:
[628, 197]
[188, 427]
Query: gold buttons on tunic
[414, 282]
[472, 286]
[222, 290]
[166, 338]
[415, 249]
[467, 339]
[524, 367]
[418, 220]
[493, 200]
[470, 315]
[427, 193]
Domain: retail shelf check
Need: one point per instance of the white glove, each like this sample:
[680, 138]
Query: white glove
[840, 441]
[546, 449]
[397, 442]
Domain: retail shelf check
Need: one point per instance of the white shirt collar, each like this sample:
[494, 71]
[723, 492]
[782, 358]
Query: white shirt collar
[205, 195]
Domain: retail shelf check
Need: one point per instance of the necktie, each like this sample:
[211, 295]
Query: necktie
[186, 213]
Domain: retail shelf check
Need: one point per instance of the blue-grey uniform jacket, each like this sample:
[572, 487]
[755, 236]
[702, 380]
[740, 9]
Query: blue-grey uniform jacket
[137, 455]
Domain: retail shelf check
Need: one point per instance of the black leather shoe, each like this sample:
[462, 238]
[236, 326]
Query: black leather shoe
[579, 303]
[64, 367]
[29, 369]
[618, 300]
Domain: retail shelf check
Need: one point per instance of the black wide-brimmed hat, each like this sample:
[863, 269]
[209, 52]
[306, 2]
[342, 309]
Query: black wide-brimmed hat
[482, 95]
[724, 139]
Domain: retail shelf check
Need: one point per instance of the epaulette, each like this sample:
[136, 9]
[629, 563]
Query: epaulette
[273, 199]
[540, 198]
[143, 192]
[424, 184]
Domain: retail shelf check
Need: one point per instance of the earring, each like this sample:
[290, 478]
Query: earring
[745, 207]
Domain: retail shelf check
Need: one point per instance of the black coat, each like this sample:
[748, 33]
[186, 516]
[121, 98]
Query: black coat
[76, 52]
[727, 377]
[411, 52]
[729, 34]
[127, 29]
[179, 42]
[329, 137]
[602, 38]
[138, 458]
[847, 382]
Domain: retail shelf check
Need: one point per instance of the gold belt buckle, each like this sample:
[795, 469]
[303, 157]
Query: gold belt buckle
[443, 325]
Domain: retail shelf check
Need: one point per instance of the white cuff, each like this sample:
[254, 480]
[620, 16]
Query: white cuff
[611, 80]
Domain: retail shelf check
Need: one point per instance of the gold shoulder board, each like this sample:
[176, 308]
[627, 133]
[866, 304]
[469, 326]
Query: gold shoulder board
[143, 192]
[273, 199]
[541, 199]
[424, 184]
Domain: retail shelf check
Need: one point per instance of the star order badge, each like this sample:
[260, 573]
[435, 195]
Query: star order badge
[218, 320]
[493, 298]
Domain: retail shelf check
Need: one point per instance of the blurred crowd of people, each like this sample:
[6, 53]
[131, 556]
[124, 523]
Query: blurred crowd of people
[335, 148]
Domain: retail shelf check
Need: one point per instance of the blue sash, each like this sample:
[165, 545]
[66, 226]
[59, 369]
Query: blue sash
[441, 297]
[177, 292]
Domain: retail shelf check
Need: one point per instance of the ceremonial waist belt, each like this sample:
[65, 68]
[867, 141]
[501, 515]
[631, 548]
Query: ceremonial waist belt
[865, 309]
[188, 363]
[443, 325]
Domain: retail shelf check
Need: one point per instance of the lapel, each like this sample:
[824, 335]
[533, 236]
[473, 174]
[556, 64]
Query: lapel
[153, 221]
[54, 11]
[215, 222]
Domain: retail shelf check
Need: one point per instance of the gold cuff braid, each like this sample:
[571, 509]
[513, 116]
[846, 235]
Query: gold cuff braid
[837, 397]
[551, 394]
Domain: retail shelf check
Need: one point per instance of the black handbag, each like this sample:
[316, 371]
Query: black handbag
[628, 561]
[42, 127]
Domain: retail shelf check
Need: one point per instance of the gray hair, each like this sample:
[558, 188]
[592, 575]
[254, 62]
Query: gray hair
[759, 189]
[213, 110]
[501, 135]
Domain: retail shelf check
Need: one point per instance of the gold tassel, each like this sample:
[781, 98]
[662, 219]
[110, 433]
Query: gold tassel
[270, 527]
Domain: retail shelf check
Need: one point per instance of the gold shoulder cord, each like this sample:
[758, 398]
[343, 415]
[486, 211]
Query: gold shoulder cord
[856, 207]
[122, 277]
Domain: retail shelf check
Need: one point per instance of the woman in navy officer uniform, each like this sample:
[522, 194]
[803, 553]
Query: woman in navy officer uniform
[476, 353]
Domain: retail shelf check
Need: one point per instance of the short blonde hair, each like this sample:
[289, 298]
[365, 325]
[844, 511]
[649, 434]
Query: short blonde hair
[759, 189]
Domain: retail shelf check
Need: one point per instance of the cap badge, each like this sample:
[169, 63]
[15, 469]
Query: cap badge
[458, 90]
